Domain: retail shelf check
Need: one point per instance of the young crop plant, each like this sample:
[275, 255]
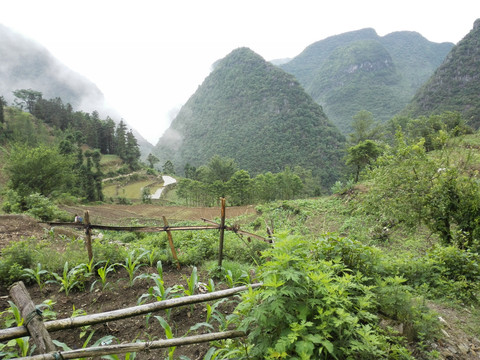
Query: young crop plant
[21, 343]
[37, 274]
[168, 335]
[70, 278]
[102, 273]
[132, 264]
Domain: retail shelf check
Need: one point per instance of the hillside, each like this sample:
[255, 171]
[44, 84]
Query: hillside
[360, 70]
[251, 111]
[455, 84]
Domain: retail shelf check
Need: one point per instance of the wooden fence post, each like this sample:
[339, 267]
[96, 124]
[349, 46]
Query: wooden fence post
[35, 326]
[222, 234]
[88, 235]
[170, 241]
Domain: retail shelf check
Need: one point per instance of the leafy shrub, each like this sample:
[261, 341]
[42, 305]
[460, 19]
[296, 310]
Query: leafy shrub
[313, 308]
[448, 272]
[353, 254]
[12, 202]
[15, 257]
[42, 208]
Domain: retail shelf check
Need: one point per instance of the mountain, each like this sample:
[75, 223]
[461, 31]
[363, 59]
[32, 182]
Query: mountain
[455, 85]
[252, 111]
[26, 64]
[360, 70]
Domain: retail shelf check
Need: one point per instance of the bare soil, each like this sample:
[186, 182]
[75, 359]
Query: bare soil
[457, 344]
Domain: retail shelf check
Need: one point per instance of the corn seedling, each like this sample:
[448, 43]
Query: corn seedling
[102, 273]
[37, 274]
[21, 342]
[69, 278]
[192, 282]
[132, 264]
[159, 292]
[168, 335]
[210, 286]
[102, 341]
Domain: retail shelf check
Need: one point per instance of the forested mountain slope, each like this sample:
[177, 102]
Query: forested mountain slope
[251, 111]
[360, 70]
[455, 85]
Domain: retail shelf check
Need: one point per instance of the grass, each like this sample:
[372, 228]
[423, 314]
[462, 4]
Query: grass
[132, 190]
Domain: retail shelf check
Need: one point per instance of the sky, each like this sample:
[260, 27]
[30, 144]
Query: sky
[149, 56]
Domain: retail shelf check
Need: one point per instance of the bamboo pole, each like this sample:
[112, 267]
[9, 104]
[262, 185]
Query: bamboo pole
[33, 321]
[170, 241]
[88, 233]
[70, 323]
[138, 228]
[222, 234]
[135, 347]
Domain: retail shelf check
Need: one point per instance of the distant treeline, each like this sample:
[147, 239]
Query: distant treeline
[221, 178]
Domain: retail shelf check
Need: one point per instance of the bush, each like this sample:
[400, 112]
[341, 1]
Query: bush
[15, 257]
[447, 272]
[313, 308]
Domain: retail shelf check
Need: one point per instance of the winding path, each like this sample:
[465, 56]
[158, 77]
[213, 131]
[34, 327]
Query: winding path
[167, 180]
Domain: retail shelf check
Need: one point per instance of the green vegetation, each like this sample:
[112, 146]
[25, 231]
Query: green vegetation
[255, 113]
[455, 84]
[360, 70]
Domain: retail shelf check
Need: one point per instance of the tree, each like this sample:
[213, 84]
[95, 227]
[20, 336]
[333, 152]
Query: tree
[132, 151]
[40, 170]
[410, 187]
[2, 105]
[152, 160]
[190, 171]
[362, 155]
[218, 168]
[239, 187]
[27, 99]
[168, 168]
[364, 127]
[120, 140]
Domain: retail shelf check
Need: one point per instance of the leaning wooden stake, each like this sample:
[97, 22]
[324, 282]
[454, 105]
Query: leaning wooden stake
[135, 347]
[170, 241]
[88, 235]
[33, 320]
[222, 234]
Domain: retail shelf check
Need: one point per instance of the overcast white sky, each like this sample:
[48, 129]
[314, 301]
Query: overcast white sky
[149, 56]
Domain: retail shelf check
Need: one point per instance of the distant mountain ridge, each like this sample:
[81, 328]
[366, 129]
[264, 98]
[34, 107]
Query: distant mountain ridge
[250, 110]
[455, 85]
[360, 70]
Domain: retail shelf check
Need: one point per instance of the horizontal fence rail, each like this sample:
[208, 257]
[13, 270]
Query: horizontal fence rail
[70, 323]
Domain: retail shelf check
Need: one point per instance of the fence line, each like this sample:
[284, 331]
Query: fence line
[135, 347]
[78, 321]
[222, 227]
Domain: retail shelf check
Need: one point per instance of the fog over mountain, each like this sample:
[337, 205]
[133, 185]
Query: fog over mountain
[26, 64]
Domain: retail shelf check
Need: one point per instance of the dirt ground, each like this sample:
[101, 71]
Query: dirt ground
[455, 345]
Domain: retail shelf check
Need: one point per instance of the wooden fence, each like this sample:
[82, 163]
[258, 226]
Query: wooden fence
[88, 226]
[40, 331]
